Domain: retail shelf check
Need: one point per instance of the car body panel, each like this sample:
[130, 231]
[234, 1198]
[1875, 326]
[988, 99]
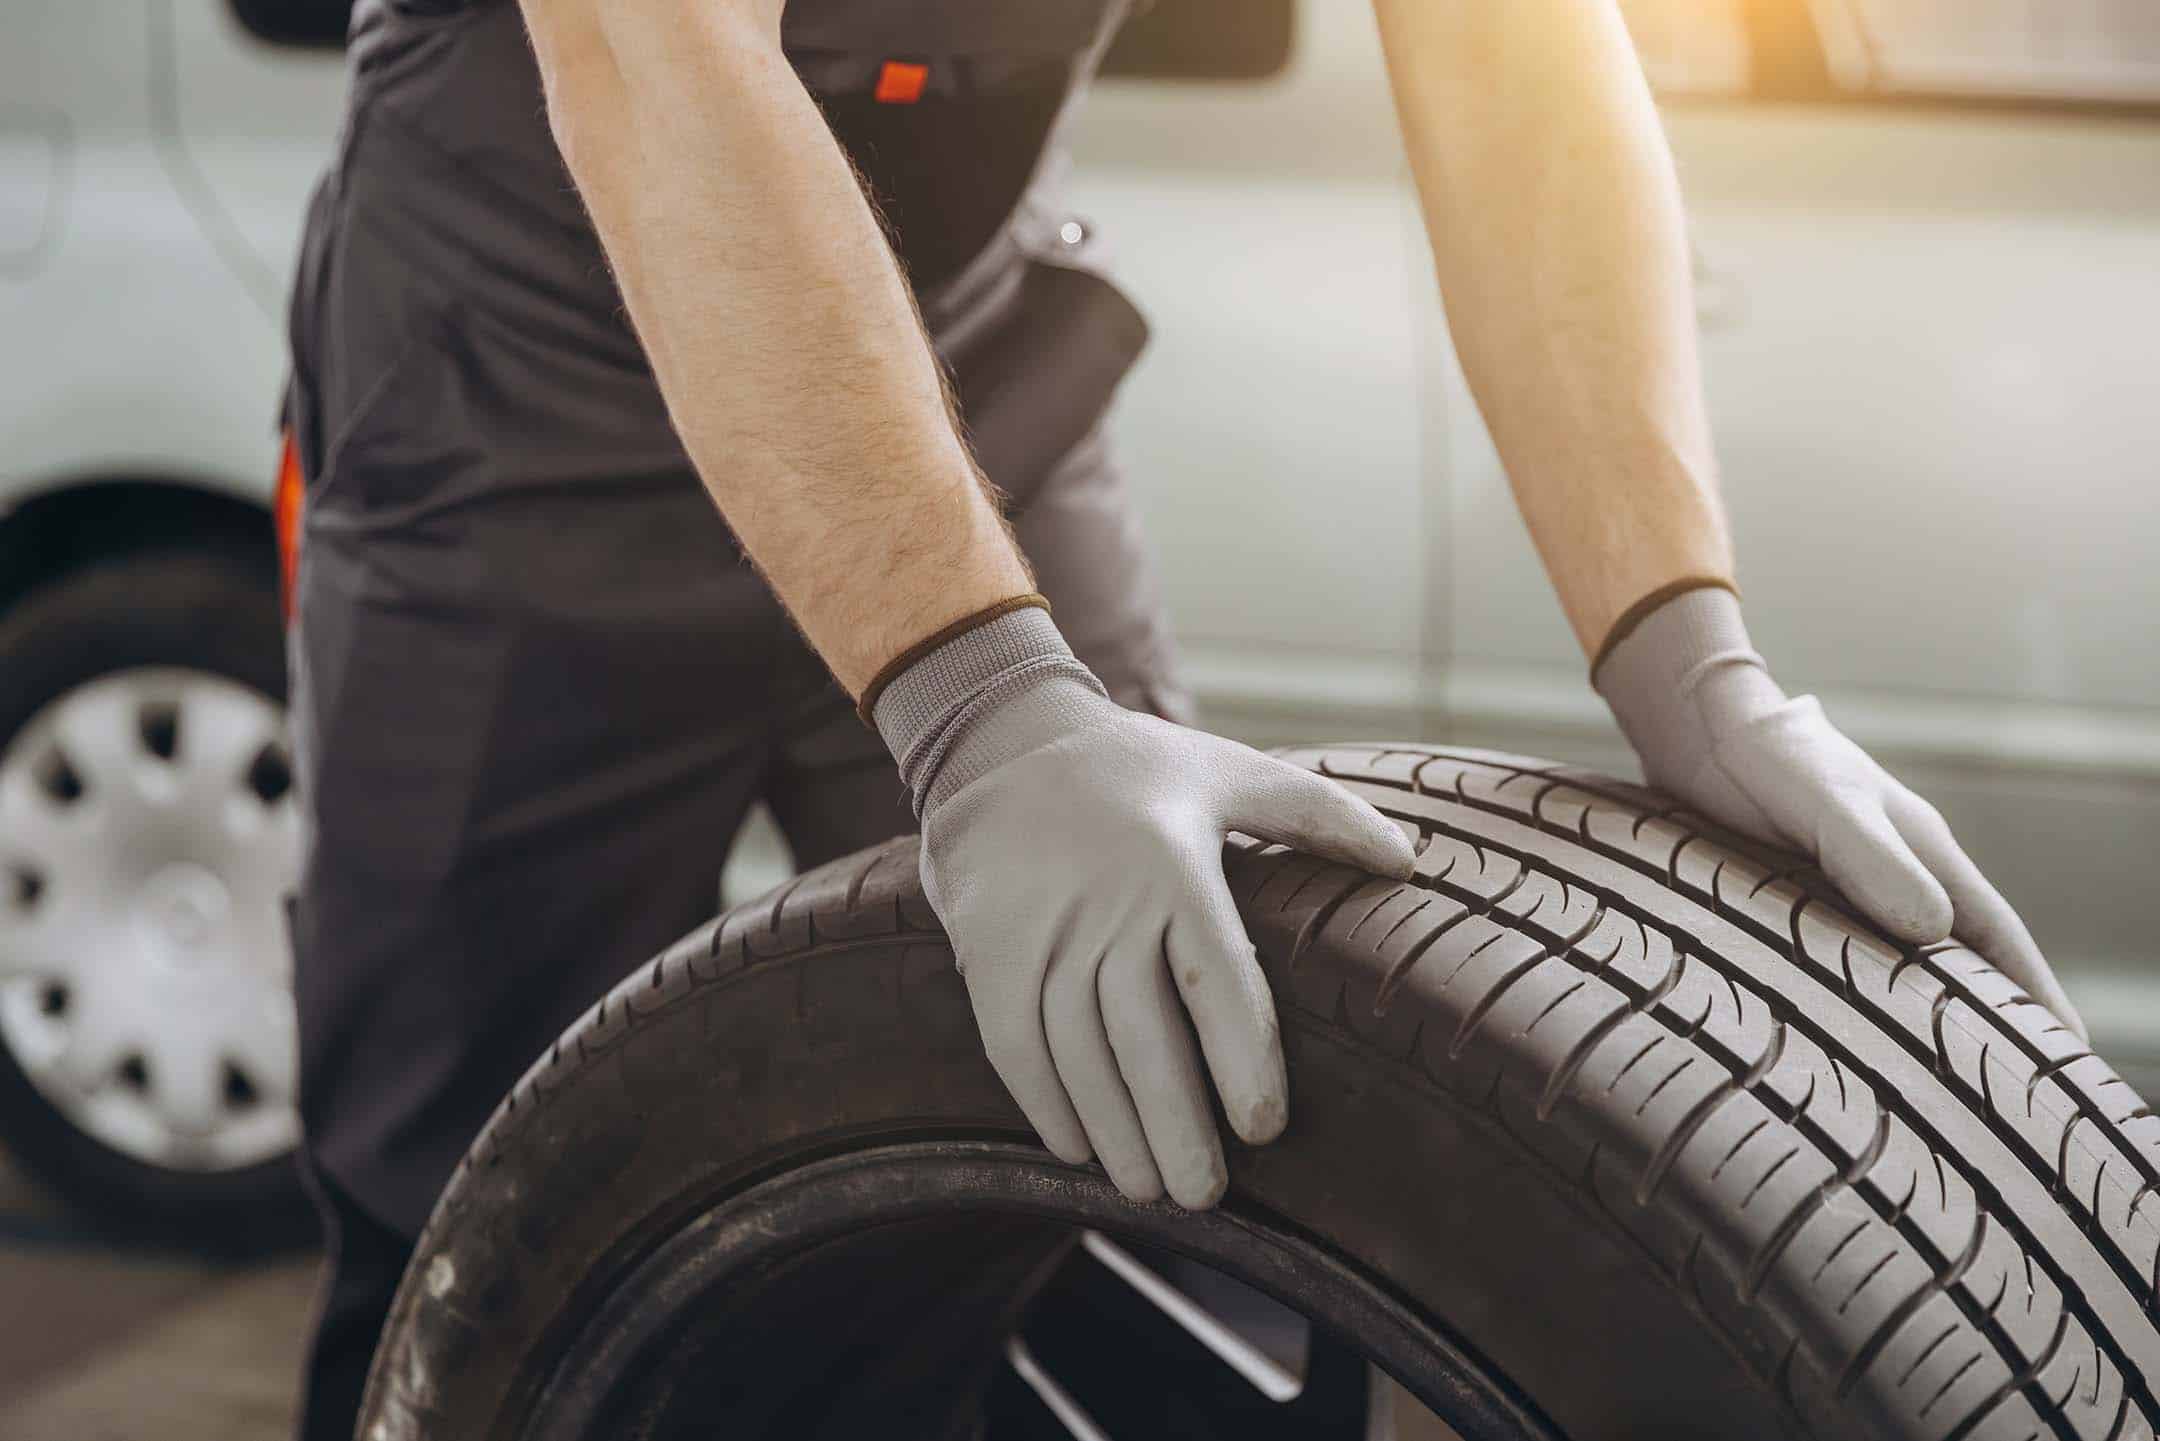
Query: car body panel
[134, 349]
[223, 82]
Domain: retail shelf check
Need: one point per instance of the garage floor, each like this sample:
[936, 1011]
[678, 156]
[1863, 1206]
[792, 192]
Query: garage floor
[104, 1345]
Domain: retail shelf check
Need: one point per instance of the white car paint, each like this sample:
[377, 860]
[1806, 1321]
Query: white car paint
[129, 345]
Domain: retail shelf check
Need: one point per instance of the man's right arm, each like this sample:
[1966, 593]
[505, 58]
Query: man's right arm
[785, 341]
[1072, 848]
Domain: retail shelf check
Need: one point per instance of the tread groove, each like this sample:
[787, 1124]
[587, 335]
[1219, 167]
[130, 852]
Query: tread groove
[1906, 1309]
[1832, 1047]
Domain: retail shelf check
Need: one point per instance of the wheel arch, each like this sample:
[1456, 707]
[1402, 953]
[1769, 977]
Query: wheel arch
[59, 528]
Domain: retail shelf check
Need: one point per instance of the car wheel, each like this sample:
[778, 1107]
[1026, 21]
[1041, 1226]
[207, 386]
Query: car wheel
[1606, 1124]
[148, 838]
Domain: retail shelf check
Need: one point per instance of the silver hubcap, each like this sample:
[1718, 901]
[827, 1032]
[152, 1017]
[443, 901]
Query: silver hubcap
[148, 838]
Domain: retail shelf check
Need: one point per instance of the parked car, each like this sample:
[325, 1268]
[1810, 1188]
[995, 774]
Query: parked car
[1925, 231]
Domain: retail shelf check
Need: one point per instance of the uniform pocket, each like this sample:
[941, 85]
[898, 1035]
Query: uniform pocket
[385, 445]
[362, 324]
[1034, 383]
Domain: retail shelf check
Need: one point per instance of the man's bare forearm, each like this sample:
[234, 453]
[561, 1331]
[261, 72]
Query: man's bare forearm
[785, 341]
[1555, 221]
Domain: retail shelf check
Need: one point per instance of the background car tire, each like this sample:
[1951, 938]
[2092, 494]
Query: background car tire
[211, 613]
[1632, 1113]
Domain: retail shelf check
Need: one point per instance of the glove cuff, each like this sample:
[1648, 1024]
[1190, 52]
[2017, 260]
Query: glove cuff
[928, 709]
[867, 706]
[1664, 638]
[1685, 674]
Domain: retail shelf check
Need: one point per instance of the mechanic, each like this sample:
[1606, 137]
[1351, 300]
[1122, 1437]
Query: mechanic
[575, 257]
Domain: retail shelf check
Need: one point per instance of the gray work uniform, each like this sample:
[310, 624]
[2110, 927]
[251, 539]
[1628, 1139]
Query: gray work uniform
[536, 688]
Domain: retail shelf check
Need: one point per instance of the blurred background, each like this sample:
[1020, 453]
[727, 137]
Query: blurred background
[1927, 255]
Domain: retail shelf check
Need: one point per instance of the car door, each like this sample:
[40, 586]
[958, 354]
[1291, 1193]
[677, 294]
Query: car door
[252, 94]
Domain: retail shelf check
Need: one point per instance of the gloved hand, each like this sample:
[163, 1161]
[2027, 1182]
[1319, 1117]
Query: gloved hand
[1713, 729]
[1073, 850]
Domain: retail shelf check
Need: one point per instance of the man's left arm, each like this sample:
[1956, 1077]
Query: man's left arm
[1555, 220]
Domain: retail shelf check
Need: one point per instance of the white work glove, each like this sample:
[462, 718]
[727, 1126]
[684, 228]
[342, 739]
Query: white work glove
[1713, 729]
[1073, 850]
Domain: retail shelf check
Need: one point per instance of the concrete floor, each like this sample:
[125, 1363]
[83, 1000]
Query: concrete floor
[99, 1344]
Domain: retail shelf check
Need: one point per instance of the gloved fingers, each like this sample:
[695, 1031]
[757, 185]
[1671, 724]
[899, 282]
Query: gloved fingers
[1982, 918]
[1161, 1065]
[1871, 863]
[1008, 1011]
[1232, 1010]
[1291, 806]
[1088, 1067]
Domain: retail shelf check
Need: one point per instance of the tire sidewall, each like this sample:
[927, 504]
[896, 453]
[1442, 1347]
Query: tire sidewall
[668, 1113]
[1636, 1110]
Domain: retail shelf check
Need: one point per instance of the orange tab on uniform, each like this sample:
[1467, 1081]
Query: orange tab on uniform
[285, 511]
[900, 82]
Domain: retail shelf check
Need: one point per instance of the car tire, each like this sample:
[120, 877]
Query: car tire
[187, 624]
[1631, 1120]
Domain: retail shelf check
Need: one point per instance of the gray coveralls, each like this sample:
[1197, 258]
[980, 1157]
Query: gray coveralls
[536, 688]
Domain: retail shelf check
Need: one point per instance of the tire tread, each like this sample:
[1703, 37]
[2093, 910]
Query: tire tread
[1910, 1201]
